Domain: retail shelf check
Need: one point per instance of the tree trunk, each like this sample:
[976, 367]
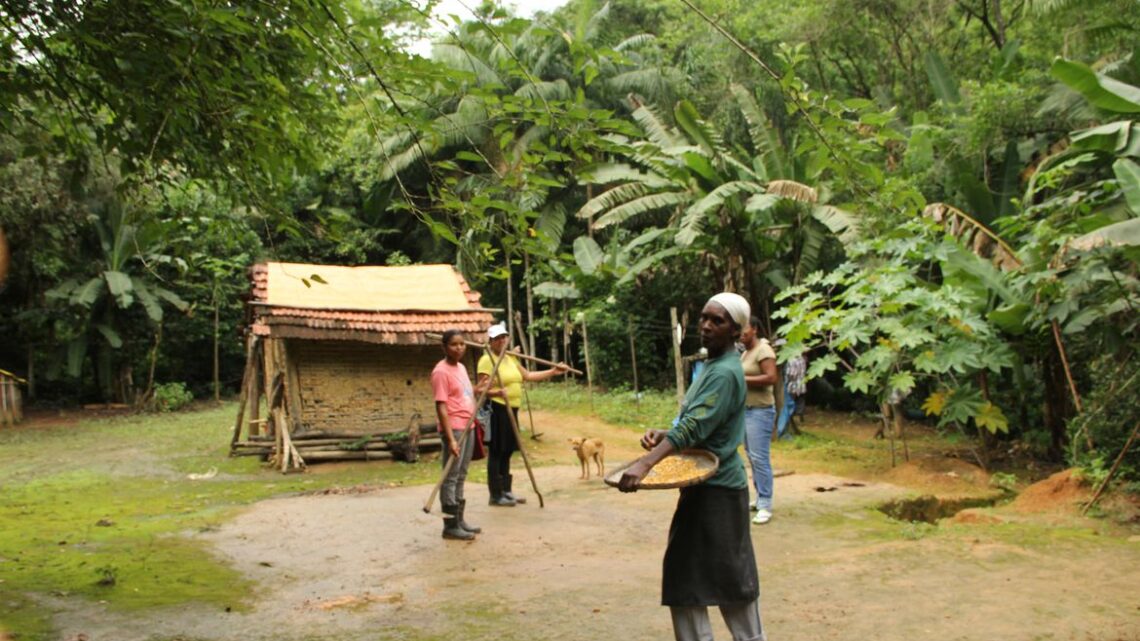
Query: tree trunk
[217, 374]
[510, 297]
[5, 259]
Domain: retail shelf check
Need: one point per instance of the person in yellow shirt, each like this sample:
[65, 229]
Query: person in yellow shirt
[507, 386]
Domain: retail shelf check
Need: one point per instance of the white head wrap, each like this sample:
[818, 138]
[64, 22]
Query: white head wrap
[737, 307]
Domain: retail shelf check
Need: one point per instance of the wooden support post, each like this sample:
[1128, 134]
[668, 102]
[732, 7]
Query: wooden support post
[589, 367]
[292, 390]
[250, 368]
[255, 387]
[678, 368]
[633, 362]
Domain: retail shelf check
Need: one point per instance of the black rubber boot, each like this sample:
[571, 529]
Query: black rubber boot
[521, 500]
[474, 529]
[451, 529]
[498, 497]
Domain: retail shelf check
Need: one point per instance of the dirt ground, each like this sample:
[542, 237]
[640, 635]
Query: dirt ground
[368, 563]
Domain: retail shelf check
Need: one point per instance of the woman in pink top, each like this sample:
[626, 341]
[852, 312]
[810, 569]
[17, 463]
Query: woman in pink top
[454, 405]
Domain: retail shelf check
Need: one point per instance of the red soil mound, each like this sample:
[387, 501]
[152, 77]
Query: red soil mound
[1061, 492]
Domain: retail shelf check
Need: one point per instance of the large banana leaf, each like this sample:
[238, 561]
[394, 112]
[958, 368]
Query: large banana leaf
[1102, 91]
[1125, 233]
[110, 335]
[551, 289]
[149, 302]
[944, 84]
[120, 287]
[1128, 175]
[588, 254]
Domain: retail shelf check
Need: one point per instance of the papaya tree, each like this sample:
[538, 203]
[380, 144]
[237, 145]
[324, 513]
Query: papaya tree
[895, 329]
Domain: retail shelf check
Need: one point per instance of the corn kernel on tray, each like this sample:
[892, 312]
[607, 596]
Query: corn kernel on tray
[684, 468]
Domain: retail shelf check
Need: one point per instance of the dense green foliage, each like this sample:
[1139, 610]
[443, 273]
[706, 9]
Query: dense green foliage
[939, 204]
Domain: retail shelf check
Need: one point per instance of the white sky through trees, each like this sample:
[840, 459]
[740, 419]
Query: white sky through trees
[446, 8]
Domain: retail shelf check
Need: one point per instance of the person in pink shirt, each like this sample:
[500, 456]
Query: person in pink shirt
[454, 405]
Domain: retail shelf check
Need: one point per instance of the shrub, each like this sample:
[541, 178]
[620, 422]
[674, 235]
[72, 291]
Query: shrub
[1112, 410]
[169, 397]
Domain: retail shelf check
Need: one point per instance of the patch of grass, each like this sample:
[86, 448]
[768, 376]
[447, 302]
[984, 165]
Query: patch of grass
[655, 408]
[97, 508]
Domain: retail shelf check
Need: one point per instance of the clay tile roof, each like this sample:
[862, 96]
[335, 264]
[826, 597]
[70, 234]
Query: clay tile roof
[390, 305]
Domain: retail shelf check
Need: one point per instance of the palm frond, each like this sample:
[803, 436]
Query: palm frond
[612, 198]
[545, 90]
[607, 173]
[650, 82]
[594, 24]
[839, 222]
[651, 202]
[973, 235]
[793, 190]
[717, 197]
[764, 142]
[457, 57]
[655, 128]
[1048, 6]
[704, 134]
[636, 41]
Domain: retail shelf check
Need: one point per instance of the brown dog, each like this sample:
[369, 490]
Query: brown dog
[589, 448]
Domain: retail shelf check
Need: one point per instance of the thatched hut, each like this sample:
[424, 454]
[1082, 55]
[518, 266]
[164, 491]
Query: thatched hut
[341, 357]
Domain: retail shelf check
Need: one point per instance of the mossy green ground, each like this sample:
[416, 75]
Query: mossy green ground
[92, 508]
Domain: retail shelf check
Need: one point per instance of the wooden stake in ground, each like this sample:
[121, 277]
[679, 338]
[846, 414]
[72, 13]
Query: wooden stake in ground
[247, 376]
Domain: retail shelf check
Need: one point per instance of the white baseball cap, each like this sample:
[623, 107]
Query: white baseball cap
[496, 331]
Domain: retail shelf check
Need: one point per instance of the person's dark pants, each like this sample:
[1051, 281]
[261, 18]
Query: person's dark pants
[502, 446]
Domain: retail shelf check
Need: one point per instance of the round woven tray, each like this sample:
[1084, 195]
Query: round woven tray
[705, 463]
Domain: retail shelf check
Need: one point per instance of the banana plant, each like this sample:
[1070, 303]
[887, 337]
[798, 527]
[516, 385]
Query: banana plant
[690, 187]
[122, 279]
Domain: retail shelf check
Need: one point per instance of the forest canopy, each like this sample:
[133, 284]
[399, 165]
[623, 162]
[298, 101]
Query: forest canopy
[936, 203]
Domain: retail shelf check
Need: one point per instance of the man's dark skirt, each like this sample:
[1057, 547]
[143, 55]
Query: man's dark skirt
[709, 560]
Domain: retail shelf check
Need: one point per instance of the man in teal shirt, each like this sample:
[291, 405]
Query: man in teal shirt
[709, 559]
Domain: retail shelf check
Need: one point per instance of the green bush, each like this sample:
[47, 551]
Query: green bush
[169, 397]
[1112, 410]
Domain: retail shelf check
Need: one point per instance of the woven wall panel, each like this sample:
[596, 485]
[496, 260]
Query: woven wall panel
[362, 388]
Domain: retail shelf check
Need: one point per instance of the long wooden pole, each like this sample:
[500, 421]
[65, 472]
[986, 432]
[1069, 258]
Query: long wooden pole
[678, 368]
[526, 394]
[589, 369]
[522, 450]
[467, 430]
[516, 354]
